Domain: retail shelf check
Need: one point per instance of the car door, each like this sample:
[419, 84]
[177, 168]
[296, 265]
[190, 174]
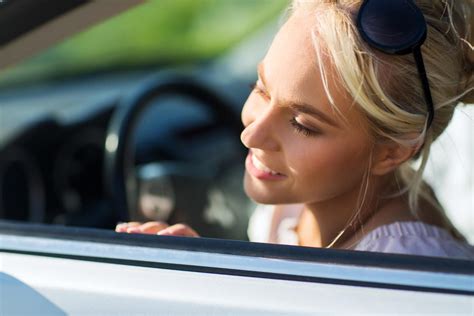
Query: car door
[58, 270]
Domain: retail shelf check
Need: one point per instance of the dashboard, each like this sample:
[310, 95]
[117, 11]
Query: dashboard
[188, 166]
[48, 173]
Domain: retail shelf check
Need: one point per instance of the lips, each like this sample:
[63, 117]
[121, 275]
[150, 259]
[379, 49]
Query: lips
[260, 166]
[259, 170]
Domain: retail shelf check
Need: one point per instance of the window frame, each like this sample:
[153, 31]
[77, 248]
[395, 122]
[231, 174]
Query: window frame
[241, 258]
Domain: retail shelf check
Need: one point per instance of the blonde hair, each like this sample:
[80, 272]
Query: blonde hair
[387, 88]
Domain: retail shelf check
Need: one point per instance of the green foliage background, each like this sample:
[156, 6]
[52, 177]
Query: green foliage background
[158, 32]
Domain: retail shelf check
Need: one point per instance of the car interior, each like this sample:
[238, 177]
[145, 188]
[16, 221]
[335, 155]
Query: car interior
[96, 147]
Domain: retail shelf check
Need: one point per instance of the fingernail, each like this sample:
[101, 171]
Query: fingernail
[163, 232]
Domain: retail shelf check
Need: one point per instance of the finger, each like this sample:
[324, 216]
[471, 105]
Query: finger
[148, 228]
[122, 227]
[179, 230]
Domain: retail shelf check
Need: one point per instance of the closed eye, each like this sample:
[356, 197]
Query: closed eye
[297, 126]
[254, 87]
[303, 129]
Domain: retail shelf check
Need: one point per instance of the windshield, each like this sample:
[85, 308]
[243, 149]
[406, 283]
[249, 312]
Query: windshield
[156, 33]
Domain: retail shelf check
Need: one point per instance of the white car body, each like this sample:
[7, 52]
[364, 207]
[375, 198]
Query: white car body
[105, 273]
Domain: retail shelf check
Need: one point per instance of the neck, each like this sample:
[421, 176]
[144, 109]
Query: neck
[321, 222]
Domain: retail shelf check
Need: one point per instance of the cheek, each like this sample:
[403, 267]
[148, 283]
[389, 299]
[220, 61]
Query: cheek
[327, 161]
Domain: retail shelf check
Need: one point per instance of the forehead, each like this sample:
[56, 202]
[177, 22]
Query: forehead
[292, 53]
[292, 70]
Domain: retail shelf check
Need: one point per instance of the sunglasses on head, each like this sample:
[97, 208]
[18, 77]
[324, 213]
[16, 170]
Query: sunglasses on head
[397, 27]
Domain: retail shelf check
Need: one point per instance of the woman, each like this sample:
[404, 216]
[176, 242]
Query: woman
[334, 121]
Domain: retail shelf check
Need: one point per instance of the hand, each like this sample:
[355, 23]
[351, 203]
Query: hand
[158, 228]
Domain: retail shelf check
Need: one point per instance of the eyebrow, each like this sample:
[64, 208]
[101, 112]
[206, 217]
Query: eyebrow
[299, 107]
[310, 110]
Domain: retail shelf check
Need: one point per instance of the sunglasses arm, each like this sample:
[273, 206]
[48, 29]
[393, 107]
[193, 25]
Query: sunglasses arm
[425, 83]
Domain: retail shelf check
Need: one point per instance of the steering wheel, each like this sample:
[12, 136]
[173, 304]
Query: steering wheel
[120, 175]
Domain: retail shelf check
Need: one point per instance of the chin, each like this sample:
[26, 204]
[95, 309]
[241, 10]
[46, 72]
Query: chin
[262, 194]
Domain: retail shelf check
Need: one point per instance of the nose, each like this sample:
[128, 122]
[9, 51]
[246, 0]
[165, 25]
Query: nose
[260, 123]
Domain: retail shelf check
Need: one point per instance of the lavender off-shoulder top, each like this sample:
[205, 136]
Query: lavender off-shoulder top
[276, 225]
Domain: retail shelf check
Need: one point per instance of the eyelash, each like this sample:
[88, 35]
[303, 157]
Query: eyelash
[297, 126]
[301, 129]
[254, 88]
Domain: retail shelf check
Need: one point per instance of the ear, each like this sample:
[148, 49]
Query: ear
[389, 155]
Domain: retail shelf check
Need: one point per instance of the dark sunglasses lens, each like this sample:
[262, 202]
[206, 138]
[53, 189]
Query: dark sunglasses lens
[392, 25]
